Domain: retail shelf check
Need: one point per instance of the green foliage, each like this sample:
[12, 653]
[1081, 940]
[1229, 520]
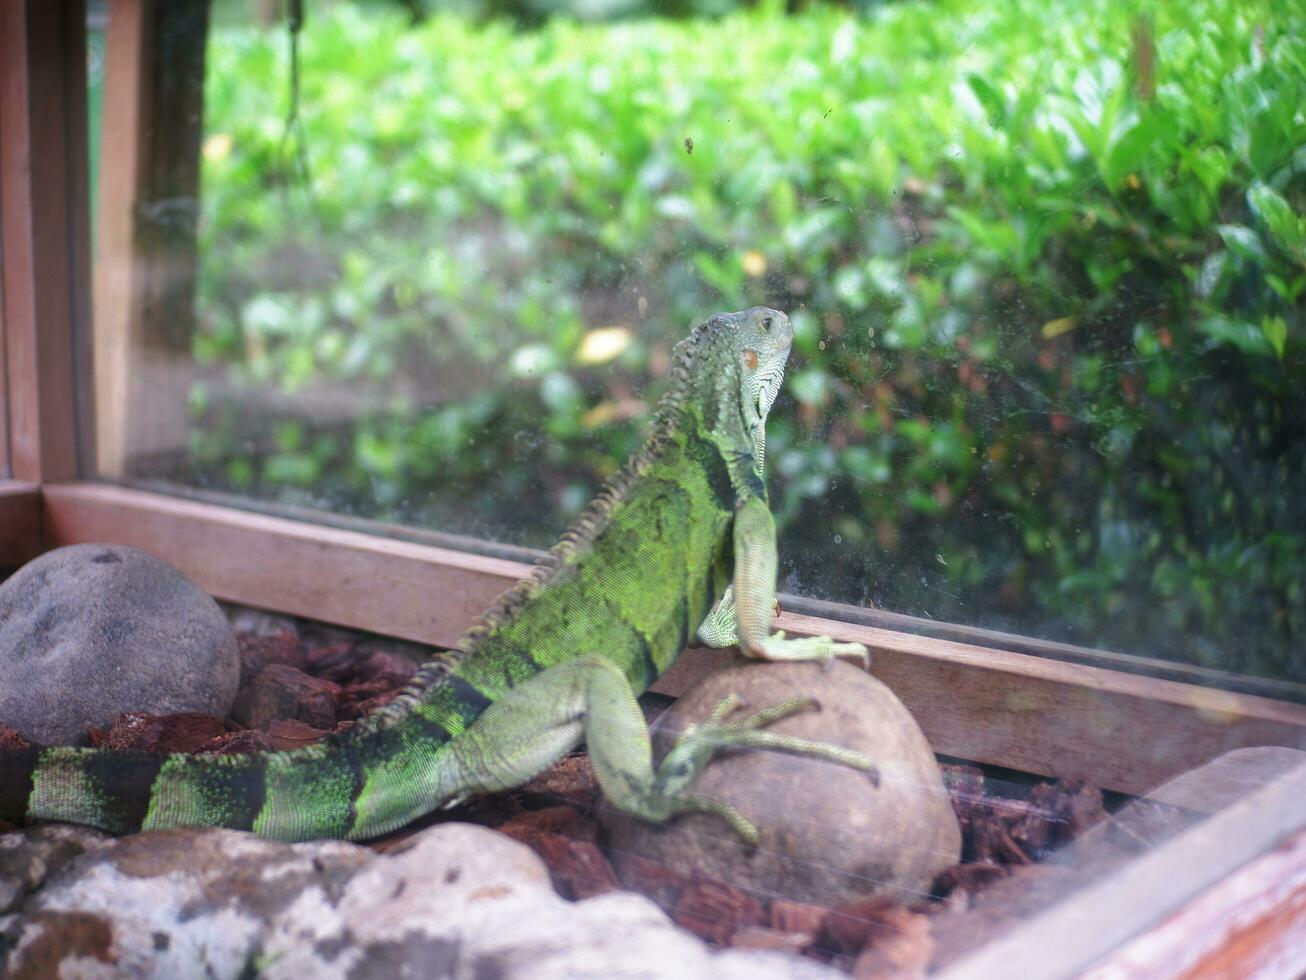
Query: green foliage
[1046, 261]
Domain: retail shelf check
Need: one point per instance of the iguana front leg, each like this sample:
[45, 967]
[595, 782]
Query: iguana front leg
[753, 598]
[541, 719]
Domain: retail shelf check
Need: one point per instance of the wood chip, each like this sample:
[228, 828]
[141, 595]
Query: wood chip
[714, 911]
[900, 950]
[286, 733]
[579, 868]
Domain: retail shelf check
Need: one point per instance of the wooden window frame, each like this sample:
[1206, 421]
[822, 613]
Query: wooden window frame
[1015, 702]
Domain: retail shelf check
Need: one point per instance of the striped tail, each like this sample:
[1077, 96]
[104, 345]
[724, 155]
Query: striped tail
[365, 781]
[359, 783]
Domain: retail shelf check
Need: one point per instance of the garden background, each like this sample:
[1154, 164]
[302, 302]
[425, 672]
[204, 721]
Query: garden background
[1046, 262]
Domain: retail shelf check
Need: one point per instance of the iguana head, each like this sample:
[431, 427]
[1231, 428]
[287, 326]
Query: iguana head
[759, 341]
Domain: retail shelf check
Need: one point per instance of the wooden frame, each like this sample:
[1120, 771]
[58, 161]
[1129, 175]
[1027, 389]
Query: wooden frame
[20, 522]
[1018, 711]
[1227, 907]
[43, 93]
[145, 266]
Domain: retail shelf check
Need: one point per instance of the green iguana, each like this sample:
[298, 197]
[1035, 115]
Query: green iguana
[679, 543]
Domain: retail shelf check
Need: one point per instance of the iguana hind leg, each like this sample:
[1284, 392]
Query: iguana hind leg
[539, 720]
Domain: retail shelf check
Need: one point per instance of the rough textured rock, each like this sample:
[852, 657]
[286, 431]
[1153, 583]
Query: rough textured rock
[31, 855]
[453, 901]
[463, 901]
[172, 903]
[90, 632]
[829, 834]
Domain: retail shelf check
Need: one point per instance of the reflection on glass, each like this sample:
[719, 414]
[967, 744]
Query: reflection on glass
[1046, 270]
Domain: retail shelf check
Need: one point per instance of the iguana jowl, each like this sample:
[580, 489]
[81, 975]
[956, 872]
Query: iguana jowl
[679, 542]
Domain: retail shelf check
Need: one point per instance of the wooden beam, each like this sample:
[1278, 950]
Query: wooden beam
[1222, 899]
[4, 371]
[117, 302]
[146, 249]
[42, 216]
[383, 585]
[20, 523]
[1250, 924]
[1124, 732]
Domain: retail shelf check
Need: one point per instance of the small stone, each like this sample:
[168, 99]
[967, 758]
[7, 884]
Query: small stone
[91, 631]
[282, 692]
[829, 834]
[258, 622]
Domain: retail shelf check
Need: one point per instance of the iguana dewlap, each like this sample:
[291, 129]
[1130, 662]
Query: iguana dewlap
[680, 543]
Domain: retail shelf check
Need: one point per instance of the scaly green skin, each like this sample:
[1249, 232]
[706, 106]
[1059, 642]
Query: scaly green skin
[680, 542]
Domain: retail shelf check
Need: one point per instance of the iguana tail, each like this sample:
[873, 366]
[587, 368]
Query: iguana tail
[355, 784]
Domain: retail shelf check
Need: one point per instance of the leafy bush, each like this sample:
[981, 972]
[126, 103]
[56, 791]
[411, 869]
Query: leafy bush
[1046, 261]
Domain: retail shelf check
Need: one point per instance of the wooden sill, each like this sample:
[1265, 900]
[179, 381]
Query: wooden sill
[20, 522]
[1123, 731]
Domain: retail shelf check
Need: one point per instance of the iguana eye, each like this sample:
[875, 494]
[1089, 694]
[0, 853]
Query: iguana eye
[766, 324]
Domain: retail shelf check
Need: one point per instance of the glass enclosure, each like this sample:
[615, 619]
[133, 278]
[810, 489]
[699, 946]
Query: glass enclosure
[424, 264]
[1044, 262]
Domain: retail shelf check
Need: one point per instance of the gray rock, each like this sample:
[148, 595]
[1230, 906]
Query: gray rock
[173, 903]
[453, 901]
[91, 631]
[31, 855]
[462, 901]
[830, 834]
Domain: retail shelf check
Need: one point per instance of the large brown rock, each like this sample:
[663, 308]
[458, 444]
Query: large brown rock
[92, 631]
[829, 834]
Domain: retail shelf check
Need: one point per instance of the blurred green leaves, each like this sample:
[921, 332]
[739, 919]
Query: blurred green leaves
[1048, 298]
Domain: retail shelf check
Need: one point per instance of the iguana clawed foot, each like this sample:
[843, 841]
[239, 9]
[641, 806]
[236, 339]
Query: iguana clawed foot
[696, 747]
[822, 648]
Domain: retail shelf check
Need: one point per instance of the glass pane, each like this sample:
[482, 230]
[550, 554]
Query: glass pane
[425, 264]
[1045, 276]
